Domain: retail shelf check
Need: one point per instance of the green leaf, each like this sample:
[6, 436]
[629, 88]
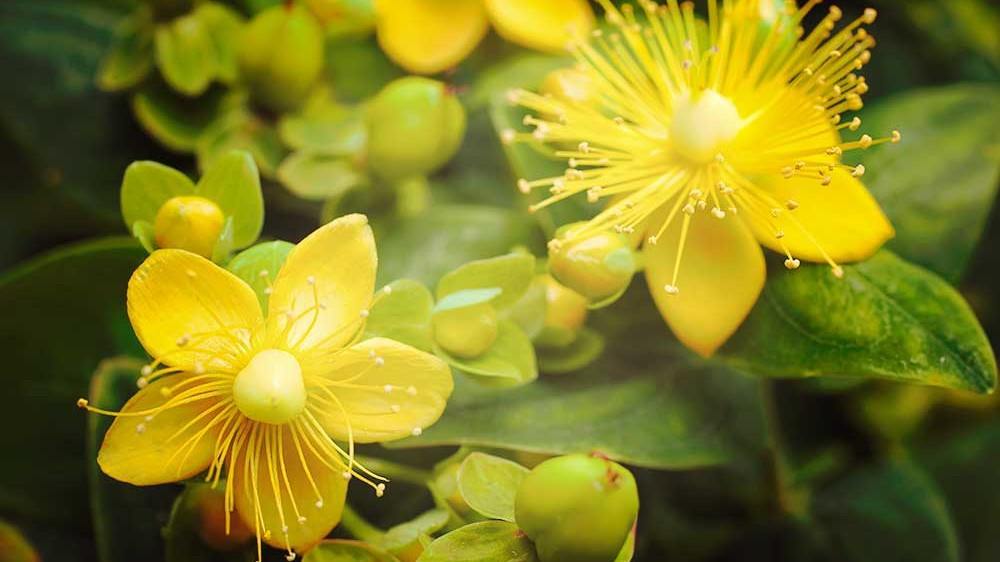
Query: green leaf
[467, 297]
[886, 318]
[512, 273]
[130, 58]
[448, 236]
[509, 362]
[886, 513]
[940, 181]
[488, 541]
[126, 517]
[175, 121]
[524, 70]
[582, 351]
[145, 234]
[339, 550]
[147, 185]
[233, 183]
[489, 484]
[644, 402]
[628, 549]
[258, 266]
[223, 26]
[529, 311]
[62, 314]
[403, 314]
[241, 130]
[325, 126]
[407, 534]
[186, 54]
[318, 176]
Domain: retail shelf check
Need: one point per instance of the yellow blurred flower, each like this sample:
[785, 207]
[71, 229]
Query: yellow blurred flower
[428, 36]
[275, 403]
[709, 139]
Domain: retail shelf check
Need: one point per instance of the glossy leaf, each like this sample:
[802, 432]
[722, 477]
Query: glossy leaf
[644, 402]
[185, 54]
[318, 176]
[73, 298]
[173, 120]
[405, 535]
[467, 297]
[886, 318]
[509, 362]
[489, 541]
[339, 550]
[147, 185]
[233, 183]
[259, 265]
[940, 181]
[489, 484]
[886, 513]
[403, 314]
[511, 273]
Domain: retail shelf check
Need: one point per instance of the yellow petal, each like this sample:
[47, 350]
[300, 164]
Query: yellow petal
[186, 310]
[389, 391]
[326, 282]
[428, 36]
[269, 466]
[721, 275]
[165, 448]
[842, 218]
[545, 25]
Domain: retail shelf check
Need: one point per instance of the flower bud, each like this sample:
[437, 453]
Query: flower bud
[570, 85]
[188, 222]
[210, 506]
[415, 125]
[597, 267]
[565, 313]
[577, 508]
[281, 56]
[466, 332]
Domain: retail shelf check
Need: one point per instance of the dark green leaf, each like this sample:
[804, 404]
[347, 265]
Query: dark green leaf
[73, 301]
[489, 541]
[886, 318]
[940, 181]
[886, 513]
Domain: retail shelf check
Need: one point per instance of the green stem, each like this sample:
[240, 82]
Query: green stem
[359, 527]
[788, 499]
[395, 471]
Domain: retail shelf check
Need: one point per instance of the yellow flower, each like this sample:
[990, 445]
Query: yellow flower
[267, 401]
[428, 36]
[708, 140]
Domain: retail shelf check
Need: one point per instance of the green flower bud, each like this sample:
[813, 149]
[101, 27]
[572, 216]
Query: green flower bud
[597, 267]
[565, 313]
[188, 222]
[466, 332]
[577, 508]
[210, 506]
[570, 85]
[281, 56]
[415, 125]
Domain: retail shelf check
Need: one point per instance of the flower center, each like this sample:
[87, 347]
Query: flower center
[702, 124]
[270, 388]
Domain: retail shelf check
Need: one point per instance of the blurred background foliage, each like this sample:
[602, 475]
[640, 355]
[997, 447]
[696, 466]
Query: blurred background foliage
[876, 470]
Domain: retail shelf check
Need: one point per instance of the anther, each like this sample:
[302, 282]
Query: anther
[865, 142]
[380, 490]
[896, 137]
[718, 213]
[141, 382]
[507, 136]
[791, 204]
[346, 475]
[870, 15]
[827, 180]
[311, 280]
[792, 263]
[858, 171]
[395, 408]
[263, 273]
[671, 289]
[290, 556]
[319, 503]
[364, 313]
[302, 520]
[652, 240]
[387, 289]
[513, 96]
[583, 147]
[411, 390]
[838, 272]
[855, 124]
[82, 403]
[775, 212]
[387, 388]
[688, 209]
[779, 234]
[417, 431]
[183, 340]
[267, 290]
[379, 361]
[146, 370]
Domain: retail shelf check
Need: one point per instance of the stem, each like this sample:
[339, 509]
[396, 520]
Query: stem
[395, 471]
[788, 499]
[359, 527]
